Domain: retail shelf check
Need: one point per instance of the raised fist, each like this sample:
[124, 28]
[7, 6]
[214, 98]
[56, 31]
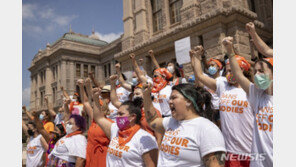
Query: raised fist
[80, 82]
[198, 50]
[87, 81]
[147, 89]
[132, 56]
[113, 78]
[250, 27]
[227, 41]
[150, 52]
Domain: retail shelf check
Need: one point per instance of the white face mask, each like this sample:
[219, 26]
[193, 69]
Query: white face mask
[69, 128]
[171, 69]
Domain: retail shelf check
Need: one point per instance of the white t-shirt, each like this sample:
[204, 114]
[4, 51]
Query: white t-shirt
[172, 83]
[262, 104]
[161, 100]
[186, 142]
[236, 118]
[131, 153]
[122, 94]
[215, 99]
[68, 148]
[113, 112]
[35, 152]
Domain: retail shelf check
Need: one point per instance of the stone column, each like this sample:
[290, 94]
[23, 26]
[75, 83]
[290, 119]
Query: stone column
[71, 76]
[38, 90]
[128, 25]
[48, 81]
[63, 74]
[141, 33]
[166, 15]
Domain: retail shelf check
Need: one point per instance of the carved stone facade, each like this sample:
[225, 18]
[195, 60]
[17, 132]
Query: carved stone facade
[71, 57]
[206, 22]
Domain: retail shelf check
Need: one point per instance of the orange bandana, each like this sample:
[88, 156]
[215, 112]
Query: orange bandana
[217, 62]
[159, 82]
[74, 133]
[243, 63]
[126, 135]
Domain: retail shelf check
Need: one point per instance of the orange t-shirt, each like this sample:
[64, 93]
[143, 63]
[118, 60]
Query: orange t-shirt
[48, 126]
[97, 146]
[144, 124]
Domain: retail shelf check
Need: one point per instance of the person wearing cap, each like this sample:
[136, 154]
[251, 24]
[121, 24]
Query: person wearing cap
[190, 138]
[260, 94]
[50, 137]
[235, 111]
[129, 144]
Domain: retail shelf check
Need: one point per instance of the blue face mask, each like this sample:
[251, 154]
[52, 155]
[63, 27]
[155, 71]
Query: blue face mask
[41, 117]
[262, 81]
[135, 81]
[212, 70]
[117, 82]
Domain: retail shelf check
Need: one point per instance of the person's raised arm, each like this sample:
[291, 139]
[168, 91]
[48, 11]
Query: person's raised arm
[66, 109]
[92, 77]
[122, 82]
[154, 121]
[88, 87]
[196, 81]
[99, 116]
[29, 115]
[50, 107]
[25, 128]
[137, 69]
[113, 96]
[151, 54]
[40, 126]
[261, 46]
[86, 103]
[235, 68]
[197, 69]
[65, 94]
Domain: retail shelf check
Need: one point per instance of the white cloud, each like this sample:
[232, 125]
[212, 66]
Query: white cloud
[108, 37]
[28, 11]
[26, 96]
[43, 19]
[64, 20]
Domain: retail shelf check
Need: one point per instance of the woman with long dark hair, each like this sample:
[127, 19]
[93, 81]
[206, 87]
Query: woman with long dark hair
[190, 139]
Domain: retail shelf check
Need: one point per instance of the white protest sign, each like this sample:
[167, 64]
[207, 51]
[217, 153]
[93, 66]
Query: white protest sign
[182, 48]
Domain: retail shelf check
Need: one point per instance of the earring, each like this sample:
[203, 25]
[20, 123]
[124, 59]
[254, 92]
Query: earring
[187, 104]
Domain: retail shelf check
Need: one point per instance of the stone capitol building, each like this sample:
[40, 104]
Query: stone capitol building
[148, 24]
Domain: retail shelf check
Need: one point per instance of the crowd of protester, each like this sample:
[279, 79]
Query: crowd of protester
[221, 115]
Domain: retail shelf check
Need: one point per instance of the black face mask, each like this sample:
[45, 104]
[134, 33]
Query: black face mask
[30, 132]
[138, 101]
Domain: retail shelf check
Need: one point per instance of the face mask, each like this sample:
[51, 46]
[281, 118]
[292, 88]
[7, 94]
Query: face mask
[230, 78]
[117, 82]
[122, 122]
[262, 81]
[171, 69]
[212, 70]
[41, 117]
[69, 128]
[138, 100]
[135, 81]
[30, 132]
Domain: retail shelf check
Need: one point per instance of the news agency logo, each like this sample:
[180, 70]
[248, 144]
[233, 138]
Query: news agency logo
[244, 157]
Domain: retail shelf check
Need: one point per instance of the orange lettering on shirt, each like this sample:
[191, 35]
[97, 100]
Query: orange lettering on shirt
[126, 148]
[185, 142]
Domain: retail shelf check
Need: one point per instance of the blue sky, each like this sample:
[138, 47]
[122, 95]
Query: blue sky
[45, 21]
